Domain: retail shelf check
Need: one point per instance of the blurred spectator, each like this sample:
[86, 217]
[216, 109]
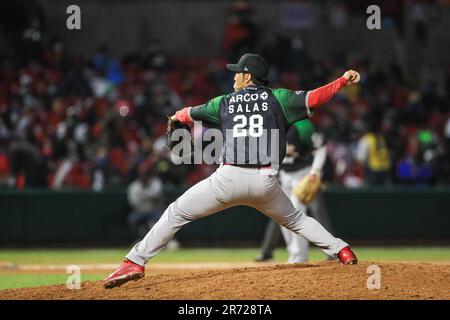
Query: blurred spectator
[100, 170]
[338, 15]
[163, 100]
[27, 165]
[23, 25]
[413, 169]
[418, 16]
[444, 172]
[107, 66]
[241, 33]
[145, 196]
[154, 57]
[373, 153]
[352, 179]
[69, 149]
[4, 168]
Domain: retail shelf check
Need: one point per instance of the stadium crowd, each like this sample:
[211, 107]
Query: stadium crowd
[96, 122]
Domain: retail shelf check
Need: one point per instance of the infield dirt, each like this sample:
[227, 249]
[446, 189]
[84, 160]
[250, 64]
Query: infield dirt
[322, 280]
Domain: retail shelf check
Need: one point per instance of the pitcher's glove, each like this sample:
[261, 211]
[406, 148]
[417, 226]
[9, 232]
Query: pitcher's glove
[173, 125]
[307, 188]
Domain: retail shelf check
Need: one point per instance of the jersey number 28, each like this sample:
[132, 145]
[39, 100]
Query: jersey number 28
[255, 128]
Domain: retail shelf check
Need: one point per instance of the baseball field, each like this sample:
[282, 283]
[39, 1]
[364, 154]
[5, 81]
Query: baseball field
[228, 273]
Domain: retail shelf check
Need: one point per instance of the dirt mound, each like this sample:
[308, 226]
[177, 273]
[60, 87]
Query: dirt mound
[324, 280]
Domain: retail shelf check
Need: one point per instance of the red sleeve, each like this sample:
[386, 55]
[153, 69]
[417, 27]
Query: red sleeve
[321, 95]
[184, 116]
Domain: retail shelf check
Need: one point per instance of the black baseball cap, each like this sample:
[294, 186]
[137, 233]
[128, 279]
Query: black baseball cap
[251, 63]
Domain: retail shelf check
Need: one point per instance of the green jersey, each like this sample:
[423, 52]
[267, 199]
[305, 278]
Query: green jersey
[293, 104]
[304, 139]
[254, 122]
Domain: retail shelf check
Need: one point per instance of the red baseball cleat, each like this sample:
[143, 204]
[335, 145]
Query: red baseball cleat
[127, 271]
[346, 256]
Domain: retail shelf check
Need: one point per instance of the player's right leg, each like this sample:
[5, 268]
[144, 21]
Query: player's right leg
[203, 199]
[280, 208]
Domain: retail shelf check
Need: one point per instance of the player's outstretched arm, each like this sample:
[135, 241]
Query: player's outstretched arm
[323, 94]
[183, 115]
[208, 112]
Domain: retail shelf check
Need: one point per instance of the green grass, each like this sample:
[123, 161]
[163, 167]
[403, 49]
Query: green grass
[17, 280]
[9, 279]
[86, 256]
[62, 256]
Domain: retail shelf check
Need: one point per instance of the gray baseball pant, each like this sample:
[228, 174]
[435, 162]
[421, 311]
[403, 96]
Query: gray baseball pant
[297, 246]
[227, 187]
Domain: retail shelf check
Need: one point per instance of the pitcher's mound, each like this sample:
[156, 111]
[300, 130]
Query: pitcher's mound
[323, 280]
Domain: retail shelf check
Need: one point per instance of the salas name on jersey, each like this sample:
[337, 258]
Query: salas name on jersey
[248, 102]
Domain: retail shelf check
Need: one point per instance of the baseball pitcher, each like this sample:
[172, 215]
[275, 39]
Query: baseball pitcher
[254, 120]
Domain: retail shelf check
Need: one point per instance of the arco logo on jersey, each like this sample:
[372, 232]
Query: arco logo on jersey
[264, 95]
[248, 102]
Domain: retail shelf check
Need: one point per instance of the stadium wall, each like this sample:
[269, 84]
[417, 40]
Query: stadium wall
[83, 218]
